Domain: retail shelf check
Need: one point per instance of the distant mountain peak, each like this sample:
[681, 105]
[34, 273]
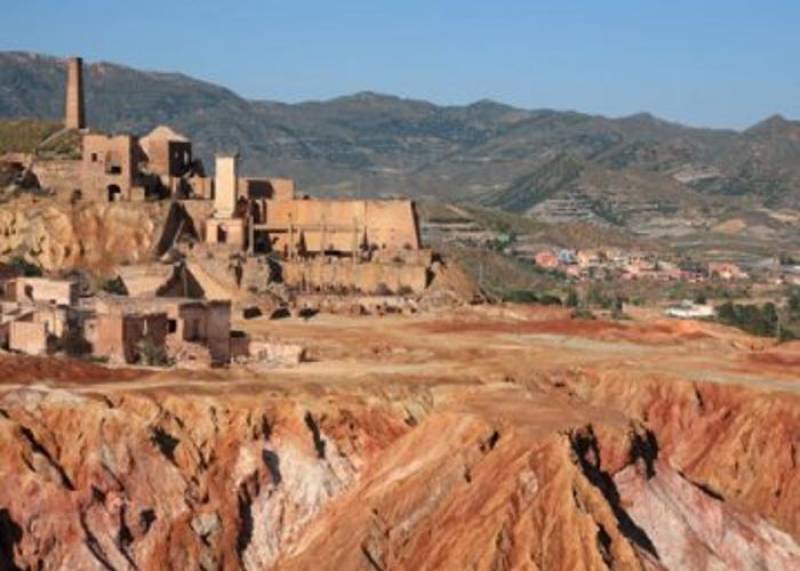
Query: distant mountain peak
[368, 96]
[774, 124]
[646, 118]
[563, 163]
[486, 102]
[642, 116]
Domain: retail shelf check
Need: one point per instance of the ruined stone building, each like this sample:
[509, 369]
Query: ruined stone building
[364, 245]
[360, 245]
[34, 312]
[123, 324]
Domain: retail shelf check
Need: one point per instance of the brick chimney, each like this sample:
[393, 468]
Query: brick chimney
[75, 116]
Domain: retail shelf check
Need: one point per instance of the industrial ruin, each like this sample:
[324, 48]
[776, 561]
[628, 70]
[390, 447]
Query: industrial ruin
[227, 239]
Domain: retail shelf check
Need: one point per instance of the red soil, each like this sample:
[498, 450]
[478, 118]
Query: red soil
[24, 369]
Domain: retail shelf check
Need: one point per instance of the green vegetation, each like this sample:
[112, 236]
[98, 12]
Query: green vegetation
[582, 313]
[114, 286]
[530, 296]
[66, 146]
[762, 320]
[152, 355]
[23, 135]
[28, 269]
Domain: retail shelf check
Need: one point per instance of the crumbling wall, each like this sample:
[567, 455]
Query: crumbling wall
[121, 337]
[108, 169]
[60, 176]
[392, 224]
[218, 331]
[373, 277]
[56, 292]
[342, 225]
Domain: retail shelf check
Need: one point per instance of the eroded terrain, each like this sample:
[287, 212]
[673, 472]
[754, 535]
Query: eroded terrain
[486, 438]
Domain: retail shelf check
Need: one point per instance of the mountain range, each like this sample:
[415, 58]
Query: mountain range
[638, 172]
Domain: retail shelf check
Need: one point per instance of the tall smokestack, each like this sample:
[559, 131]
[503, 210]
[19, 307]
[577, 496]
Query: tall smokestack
[75, 114]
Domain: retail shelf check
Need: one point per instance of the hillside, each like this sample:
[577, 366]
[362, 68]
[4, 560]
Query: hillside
[639, 172]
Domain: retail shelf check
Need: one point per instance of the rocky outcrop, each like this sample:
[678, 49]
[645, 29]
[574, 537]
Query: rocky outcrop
[397, 478]
[136, 482]
[93, 236]
[725, 438]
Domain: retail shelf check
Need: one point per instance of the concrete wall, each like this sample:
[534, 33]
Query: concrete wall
[365, 277]
[392, 224]
[343, 225]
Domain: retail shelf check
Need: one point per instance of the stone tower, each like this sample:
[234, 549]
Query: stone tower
[75, 116]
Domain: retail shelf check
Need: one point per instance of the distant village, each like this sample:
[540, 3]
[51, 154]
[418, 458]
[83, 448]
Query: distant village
[682, 287]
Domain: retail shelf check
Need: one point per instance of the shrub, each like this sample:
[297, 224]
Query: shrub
[152, 355]
[548, 299]
[757, 320]
[114, 286]
[582, 313]
[595, 297]
[521, 296]
[793, 303]
[28, 269]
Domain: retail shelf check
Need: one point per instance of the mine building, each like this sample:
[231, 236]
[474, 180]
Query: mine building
[123, 324]
[362, 246]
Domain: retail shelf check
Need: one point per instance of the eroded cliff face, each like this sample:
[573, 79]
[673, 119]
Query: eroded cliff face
[497, 476]
[90, 236]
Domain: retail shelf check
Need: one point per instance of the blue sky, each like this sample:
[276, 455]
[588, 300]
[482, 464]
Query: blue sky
[718, 63]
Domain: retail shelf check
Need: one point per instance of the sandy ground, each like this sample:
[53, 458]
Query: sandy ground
[471, 346]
